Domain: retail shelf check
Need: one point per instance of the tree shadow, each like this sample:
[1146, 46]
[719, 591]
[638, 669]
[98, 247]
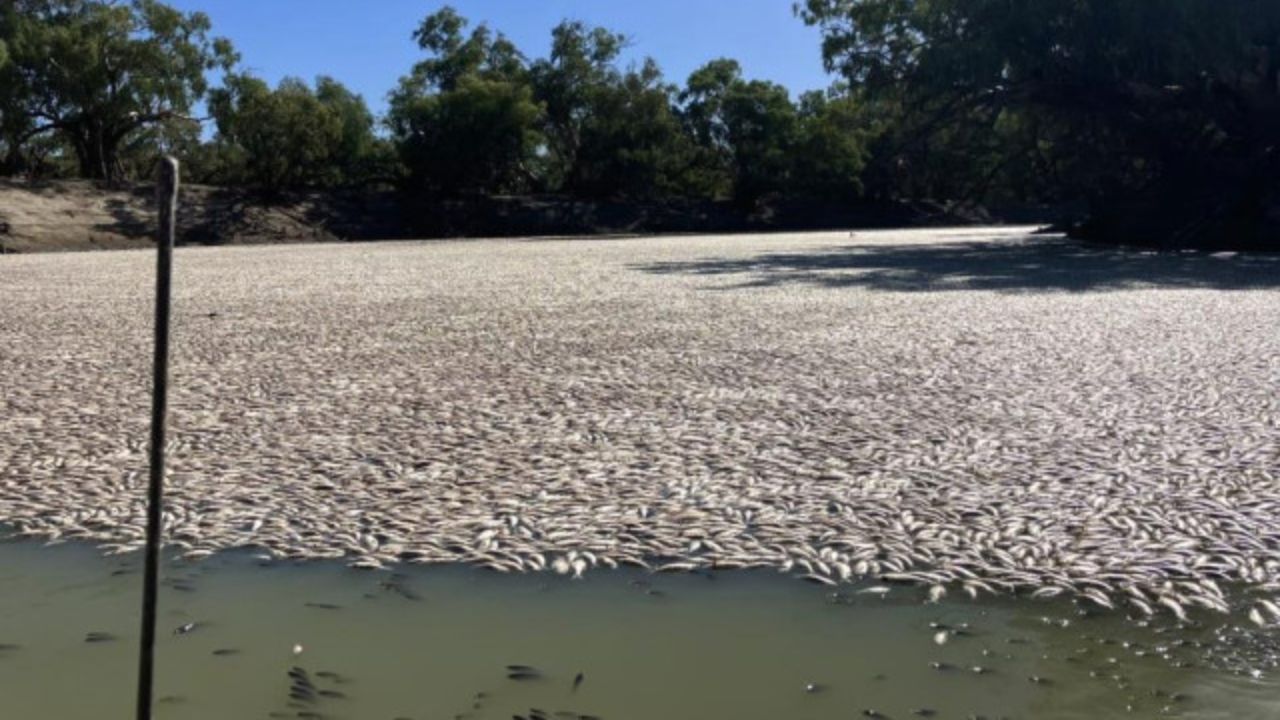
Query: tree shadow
[1035, 264]
[131, 219]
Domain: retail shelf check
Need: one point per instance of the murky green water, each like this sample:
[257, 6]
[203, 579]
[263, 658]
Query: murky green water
[435, 643]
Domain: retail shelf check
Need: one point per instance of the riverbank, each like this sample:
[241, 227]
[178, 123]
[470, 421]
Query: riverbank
[79, 215]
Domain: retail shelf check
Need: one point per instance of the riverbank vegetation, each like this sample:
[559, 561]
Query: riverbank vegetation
[1153, 123]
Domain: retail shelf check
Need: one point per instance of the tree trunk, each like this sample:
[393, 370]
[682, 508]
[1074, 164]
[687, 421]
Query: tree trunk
[14, 161]
[96, 151]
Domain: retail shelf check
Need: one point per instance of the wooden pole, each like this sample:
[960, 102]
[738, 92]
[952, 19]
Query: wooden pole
[167, 197]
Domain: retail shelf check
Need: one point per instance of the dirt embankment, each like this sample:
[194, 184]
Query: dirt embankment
[79, 215]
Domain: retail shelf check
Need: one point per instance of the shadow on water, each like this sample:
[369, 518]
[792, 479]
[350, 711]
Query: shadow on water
[1030, 264]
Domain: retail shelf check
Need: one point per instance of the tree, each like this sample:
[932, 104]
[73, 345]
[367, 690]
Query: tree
[464, 119]
[13, 120]
[609, 132]
[830, 153]
[292, 136]
[1164, 116]
[359, 155]
[631, 144]
[746, 129]
[702, 111]
[570, 84]
[97, 72]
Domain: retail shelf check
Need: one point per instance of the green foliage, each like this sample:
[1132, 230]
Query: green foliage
[1173, 103]
[578, 80]
[753, 139]
[454, 57]
[831, 150]
[95, 73]
[631, 142]
[291, 136]
[480, 136]
[760, 123]
[100, 88]
[609, 132]
[464, 120]
[473, 117]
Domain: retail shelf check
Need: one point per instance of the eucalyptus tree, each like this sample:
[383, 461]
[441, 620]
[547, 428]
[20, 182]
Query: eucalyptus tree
[830, 152]
[291, 136]
[610, 131]
[464, 119]
[1164, 115]
[95, 73]
[570, 84]
[746, 129]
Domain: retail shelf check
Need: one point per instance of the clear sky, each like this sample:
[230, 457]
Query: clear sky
[366, 44]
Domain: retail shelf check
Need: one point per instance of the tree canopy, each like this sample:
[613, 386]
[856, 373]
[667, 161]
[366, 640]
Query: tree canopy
[1162, 118]
[464, 119]
[292, 136]
[95, 73]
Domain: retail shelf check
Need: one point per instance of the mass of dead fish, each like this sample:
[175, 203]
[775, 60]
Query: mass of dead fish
[553, 407]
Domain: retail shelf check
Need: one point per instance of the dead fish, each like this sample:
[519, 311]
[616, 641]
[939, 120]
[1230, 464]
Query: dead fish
[184, 629]
[9, 646]
[521, 668]
[577, 680]
[524, 675]
[226, 651]
[924, 712]
[334, 694]
[322, 606]
[99, 637]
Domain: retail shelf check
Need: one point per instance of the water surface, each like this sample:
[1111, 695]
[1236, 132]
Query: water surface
[435, 642]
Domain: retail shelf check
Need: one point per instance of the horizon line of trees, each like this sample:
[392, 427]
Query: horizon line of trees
[1164, 117]
[97, 89]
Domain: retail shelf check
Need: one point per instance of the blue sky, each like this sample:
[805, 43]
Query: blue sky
[366, 44]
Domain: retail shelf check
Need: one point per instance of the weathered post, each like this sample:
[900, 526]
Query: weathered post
[167, 197]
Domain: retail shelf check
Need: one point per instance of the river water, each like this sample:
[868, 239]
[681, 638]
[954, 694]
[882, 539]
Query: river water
[436, 642]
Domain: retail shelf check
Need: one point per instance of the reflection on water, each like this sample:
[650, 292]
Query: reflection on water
[462, 643]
